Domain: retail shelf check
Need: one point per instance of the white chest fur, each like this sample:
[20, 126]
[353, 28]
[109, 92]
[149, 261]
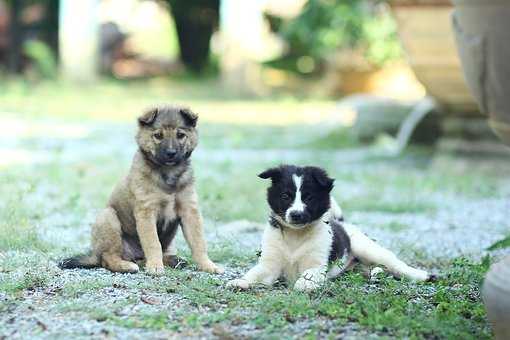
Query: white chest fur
[294, 251]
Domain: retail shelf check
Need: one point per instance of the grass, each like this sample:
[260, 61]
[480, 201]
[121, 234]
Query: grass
[450, 308]
[77, 144]
[396, 226]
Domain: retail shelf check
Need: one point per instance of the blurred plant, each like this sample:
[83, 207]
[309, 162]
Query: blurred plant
[42, 58]
[32, 20]
[327, 26]
[195, 22]
[501, 244]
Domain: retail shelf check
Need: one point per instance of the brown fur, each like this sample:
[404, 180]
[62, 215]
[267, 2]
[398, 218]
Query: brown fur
[147, 206]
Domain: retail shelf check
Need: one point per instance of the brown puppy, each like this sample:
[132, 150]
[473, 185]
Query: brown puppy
[147, 207]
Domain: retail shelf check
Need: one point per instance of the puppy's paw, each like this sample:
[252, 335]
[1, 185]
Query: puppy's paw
[419, 275]
[375, 273]
[132, 268]
[433, 277]
[305, 285]
[238, 283]
[154, 268]
[210, 267]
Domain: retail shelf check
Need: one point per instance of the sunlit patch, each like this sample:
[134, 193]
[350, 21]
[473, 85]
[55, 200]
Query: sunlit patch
[16, 128]
[14, 131]
[20, 156]
[275, 114]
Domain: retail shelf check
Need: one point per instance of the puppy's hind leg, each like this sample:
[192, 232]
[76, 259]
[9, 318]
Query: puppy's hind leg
[107, 241]
[399, 268]
[376, 254]
[370, 252]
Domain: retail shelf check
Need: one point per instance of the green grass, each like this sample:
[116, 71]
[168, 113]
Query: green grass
[396, 226]
[448, 309]
[115, 101]
[26, 272]
[47, 208]
[17, 221]
[373, 202]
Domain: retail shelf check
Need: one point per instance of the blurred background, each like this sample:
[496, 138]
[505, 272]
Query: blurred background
[367, 62]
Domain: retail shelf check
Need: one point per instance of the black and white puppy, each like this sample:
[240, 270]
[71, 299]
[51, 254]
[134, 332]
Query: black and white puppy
[306, 234]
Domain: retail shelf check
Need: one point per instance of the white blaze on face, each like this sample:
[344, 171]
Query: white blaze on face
[298, 204]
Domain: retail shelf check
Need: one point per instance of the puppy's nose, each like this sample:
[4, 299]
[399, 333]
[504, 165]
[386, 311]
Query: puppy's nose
[296, 216]
[171, 153]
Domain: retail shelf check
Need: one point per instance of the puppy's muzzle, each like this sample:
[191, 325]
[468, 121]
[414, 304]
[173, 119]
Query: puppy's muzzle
[297, 217]
[170, 154]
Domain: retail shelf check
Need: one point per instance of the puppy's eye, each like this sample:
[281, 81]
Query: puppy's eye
[181, 135]
[285, 196]
[158, 136]
[306, 196]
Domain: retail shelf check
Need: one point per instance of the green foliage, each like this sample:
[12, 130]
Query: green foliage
[326, 26]
[380, 39]
[17, 227]
[501, 244]
[43, 58]
[17, 274]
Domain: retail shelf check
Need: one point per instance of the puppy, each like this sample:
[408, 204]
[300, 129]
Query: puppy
[155, 198]
[306, 234]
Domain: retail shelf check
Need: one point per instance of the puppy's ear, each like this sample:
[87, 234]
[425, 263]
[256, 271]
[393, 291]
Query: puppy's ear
[148, 117]
[273, 173]
[322, 178]
[190, 117]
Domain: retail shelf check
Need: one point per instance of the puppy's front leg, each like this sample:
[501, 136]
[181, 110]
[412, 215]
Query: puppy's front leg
[311, 279]
[313, 276]
[265, 272]
[148, 234]
[192, 227]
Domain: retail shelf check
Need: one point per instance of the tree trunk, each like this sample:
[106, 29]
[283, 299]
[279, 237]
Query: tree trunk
[195, 22]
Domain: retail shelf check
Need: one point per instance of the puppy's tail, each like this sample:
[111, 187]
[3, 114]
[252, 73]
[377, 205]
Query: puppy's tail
[86, 261]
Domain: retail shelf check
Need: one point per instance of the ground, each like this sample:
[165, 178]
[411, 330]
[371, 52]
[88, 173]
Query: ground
[63, 148]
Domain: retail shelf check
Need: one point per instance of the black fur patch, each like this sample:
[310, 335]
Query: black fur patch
[166, 231]
[315, 191]
[189, 117]
[273, 222]
[132, 248]
[341, 244]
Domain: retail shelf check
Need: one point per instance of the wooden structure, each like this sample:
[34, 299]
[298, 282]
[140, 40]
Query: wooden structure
[426, 33]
